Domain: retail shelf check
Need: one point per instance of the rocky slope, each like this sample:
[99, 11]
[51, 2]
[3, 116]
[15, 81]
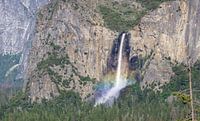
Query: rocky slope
[17, 24]
[78, 36]
[171, 34]
[72, 46]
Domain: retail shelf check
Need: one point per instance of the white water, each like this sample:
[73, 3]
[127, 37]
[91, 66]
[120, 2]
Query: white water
[11, 69]
[120, 82]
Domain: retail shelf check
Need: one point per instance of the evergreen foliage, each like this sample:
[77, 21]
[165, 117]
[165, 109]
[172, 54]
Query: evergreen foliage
[133, 104]
[121, 17]
[118, 20]
[151, 4]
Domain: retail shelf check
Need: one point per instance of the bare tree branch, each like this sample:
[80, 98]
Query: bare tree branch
[190, 84]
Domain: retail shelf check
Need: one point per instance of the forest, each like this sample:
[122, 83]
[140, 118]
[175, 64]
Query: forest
[134, 104]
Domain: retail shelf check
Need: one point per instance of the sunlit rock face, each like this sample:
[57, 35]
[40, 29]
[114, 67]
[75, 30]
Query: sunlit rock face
[168, 34]
[80, 36]
[172, 30]
[165, 36]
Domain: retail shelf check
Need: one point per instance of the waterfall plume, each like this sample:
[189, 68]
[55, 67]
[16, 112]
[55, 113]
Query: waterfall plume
[120, 81]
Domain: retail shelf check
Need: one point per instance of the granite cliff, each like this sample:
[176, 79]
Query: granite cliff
[99, 60]
[78, 33]
[17, 25]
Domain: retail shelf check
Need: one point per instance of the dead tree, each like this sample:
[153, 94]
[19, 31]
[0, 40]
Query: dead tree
[190, 86]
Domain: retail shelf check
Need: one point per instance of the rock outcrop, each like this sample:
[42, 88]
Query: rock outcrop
[80, 36]
[168, 34]
[165, 36]
[17, 24]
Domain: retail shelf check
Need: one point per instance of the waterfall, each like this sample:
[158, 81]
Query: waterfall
[120, 82]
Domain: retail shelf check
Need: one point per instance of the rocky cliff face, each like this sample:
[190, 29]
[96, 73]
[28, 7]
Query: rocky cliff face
[168, 34]
[72, 46]
[17, 23]
[77, 35]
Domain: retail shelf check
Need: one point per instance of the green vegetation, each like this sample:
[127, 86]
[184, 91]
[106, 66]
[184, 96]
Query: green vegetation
[182, 97]
[56, 58]
[133, 104]
[55, 47]
[7, 61]
[120, 20]
[52, 60]
[8, 80]
[151, 4]
[123, 17]
[178, 83]
[52, 7]
[4, 97]
[83, 80]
